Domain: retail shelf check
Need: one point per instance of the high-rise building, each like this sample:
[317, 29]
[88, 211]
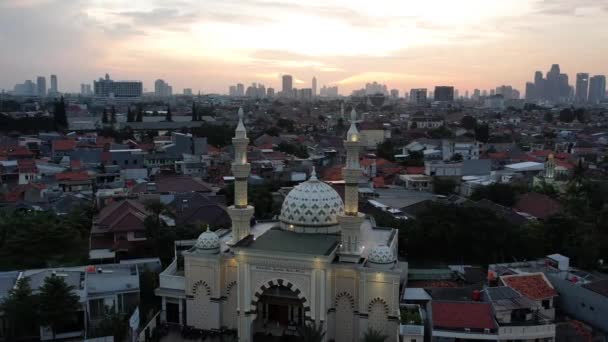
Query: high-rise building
[476, 94]
[394, 93]
[54, 90]
[162, 89]
[305, 94]
[240, 89]
[188, 91]
[418, 96]
[27, 88]
[41, 86]
[287, 85]
[105, 87]
[270, 92]
[444, 94]
[539, 85]
[329, 91]
[314, 87]
[530, 91]
[582, 87]
[232, 91]
[456, 94]
[597, 89]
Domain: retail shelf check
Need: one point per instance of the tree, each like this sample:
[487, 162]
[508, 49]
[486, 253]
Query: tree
[140, 114]
[113, 324]
[168, 116]
[58, 303]
[60, 116]
[311, 332]
[443, 186]
[104, 117]
[468, 122]
[20, 311]
[386, 150]
[482, 133]
[194, 115]
[286, 124]
[372, 335]
[130, 117]
[548, 117]
[113, 116]
[567, 115]
[414, 125]
[503, 194]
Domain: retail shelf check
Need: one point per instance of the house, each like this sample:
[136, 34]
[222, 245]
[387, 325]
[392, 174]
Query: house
[118, 230]
[538, 205]
[535, 287]
[70, 181]
[28, 172]
[196, 208]
[60, 148]
[455, 321]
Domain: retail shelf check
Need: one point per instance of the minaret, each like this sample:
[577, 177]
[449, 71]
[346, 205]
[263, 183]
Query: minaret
[550, 167]
[350, 221]
[241, 211]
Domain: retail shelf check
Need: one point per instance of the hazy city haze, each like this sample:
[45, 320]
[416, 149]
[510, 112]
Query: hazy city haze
[209, 45]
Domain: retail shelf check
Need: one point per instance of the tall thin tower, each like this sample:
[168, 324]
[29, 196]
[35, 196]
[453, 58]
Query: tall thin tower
[350, 221]
[241, 212]
[314, 86]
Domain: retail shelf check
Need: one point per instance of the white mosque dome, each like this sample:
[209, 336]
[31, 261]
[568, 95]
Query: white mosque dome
[207, 241]
[381, 255]
[310, 206]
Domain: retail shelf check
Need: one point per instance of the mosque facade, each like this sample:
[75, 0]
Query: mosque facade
[323, 262]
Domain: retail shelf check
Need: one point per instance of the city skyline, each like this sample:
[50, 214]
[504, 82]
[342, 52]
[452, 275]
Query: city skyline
[208, 46]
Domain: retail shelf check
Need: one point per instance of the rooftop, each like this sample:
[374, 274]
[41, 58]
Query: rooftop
[534, 286]
[461, 315]
[276, 240]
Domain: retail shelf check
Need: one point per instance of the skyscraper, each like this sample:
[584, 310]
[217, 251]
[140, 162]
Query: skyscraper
[314, 86]
[418, 96]
[54, 90]
[539, 82]
[162, 89]
[41, 86]
[444, 94]
[240, 89]
[530, 91]
[582, 87]
[597, 88]
[287, 85]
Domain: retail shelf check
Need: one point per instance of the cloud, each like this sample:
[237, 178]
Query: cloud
[567, 7]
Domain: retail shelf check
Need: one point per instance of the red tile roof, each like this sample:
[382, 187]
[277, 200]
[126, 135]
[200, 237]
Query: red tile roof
[414, 170]
[379, 182]
[26, 166]
[460, 315]
[64, 145]
[72, 176]
[15, 152]
[332, 174]
[538, 205]
[534, 286]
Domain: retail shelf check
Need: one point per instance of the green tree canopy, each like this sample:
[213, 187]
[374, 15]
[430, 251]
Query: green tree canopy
[468, 122]
[58, 303]
[386, 150]
[20, 309]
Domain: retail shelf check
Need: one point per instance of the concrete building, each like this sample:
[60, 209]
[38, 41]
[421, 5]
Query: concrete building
[105, 87]
[322, 262]
[597, 89]
[162, 89]
[582, 87]
[54, 88]
[287, 85]
[444, 94]
[41, 86]
[418, 96]
[314, 87]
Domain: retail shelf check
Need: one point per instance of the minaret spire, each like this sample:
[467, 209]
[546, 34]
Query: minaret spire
[350, 221]
[241, 211]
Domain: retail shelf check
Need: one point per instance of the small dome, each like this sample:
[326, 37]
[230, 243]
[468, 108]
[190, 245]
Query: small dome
[381, 255]
[311, 204]
[207, 241]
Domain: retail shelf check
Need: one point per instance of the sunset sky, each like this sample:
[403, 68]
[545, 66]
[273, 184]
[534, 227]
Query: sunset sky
[208, 45]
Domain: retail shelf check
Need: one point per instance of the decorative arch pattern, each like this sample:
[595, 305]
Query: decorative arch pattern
[229, 315]
[198, 285]
[378, 311]
[280, 282]
[350, 298]
[229, 288]
[344, 305]
[378, 300]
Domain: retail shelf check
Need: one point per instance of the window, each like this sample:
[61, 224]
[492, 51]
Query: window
[591, 308]
[135, 162]
[139, 234]
[547, 304]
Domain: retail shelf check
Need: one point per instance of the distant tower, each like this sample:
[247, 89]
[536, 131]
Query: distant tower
[314, 87]
[54, 89]
[241, 212]
[550, 167]
[287, 85]
[41, 86]
[350, 221]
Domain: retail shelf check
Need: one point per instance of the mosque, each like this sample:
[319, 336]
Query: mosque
[323, 262]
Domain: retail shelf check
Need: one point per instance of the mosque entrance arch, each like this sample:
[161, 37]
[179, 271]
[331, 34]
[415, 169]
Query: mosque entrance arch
[280, 309]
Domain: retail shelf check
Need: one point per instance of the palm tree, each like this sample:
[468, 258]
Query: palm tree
[372, 335]
[311, 332]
